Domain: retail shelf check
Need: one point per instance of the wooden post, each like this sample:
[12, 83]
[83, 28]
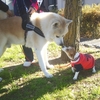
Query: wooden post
[72, 11]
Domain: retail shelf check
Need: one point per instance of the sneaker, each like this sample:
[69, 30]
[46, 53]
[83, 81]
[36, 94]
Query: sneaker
[0, 79]
[27, 63]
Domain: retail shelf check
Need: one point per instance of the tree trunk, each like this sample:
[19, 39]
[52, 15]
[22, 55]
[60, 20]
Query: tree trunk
[72, 11]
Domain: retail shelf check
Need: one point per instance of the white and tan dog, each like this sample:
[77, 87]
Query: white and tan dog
[79, 61]
[3, 15]
[53, 26]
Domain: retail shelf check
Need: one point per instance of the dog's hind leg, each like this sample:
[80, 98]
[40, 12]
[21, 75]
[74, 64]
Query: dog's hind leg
[2, 46]
[1, 69]
[75, 76]
[2, 50]
[94, 70]
[8, 44]
[42, 64]
[3, 41]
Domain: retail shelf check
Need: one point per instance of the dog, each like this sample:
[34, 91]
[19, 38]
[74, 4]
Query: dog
[3, 15]
[1, 69]
[53, 26]
[79, 61]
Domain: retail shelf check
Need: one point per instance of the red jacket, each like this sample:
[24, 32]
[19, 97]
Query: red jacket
[86, 61]
[22, 6]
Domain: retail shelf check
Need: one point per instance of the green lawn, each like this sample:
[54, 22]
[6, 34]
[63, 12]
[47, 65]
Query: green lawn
[21, 83]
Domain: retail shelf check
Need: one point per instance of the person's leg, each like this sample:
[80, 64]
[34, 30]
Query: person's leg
[28, 56]
[19, 10]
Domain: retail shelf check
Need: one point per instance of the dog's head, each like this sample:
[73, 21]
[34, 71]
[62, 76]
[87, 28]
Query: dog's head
[70, 51]
[53, 26]
[58, 28]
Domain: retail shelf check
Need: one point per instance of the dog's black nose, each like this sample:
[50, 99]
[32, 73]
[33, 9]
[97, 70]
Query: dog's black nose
[62, 45]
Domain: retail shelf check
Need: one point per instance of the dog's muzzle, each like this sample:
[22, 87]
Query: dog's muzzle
[62, 45]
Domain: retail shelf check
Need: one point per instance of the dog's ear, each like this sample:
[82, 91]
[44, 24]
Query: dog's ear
[56, 24]
[68, 21]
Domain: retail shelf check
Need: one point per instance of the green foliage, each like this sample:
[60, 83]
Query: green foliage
[12, 55]
[21, 83]
[90, 22]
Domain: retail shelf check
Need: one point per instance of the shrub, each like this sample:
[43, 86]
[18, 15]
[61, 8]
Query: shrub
[90, 22]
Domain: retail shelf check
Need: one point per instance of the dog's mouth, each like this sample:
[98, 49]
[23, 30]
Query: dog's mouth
[75, 58]
[59, 40]
[62, 45]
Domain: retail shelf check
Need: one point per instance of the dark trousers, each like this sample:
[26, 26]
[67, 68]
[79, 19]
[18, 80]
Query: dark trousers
[28, 53]
[20, 10]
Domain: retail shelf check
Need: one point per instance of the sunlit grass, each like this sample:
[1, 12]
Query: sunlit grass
[12, 55]
[21, 83]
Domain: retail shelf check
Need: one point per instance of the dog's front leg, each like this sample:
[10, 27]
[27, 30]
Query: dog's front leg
[73, 69]
[75, 76]
[46, 58]
[42, 64]
[2, 49]
[94, 70]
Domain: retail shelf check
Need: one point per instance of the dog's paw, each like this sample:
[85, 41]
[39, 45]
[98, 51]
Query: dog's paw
[49, 75]
[50, 66]
[73, 71]
[94, 71]
[74, 78]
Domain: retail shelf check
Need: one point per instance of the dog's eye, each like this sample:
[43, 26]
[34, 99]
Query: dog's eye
[57, 36]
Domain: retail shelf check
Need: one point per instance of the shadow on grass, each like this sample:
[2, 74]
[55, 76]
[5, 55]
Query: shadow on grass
[36, 87]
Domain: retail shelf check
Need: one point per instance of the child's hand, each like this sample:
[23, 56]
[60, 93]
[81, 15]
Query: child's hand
[31, 10]
[10, 13]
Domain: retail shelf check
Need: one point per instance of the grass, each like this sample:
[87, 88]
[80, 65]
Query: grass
[21, 83]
